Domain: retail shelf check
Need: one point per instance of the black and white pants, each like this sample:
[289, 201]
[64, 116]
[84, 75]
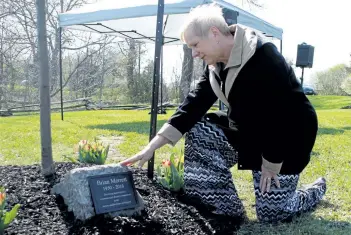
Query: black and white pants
[207, 178]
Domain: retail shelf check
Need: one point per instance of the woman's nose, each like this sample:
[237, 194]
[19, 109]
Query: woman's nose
[194, 53]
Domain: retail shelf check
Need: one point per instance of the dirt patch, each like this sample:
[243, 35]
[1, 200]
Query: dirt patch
[113, 153]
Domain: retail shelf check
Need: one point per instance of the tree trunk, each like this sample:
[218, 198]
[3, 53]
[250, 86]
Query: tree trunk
[102, 75]
[45, 120]
[1, 66]
[187, 71]
[137, 90]
[130, 70]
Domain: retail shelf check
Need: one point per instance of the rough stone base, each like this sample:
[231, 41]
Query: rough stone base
[74, 189]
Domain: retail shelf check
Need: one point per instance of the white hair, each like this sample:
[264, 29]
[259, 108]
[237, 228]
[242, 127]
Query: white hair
[202, 18]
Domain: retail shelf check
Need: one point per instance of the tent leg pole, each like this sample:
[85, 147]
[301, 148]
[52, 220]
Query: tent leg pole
[156, 82]
[60, 61]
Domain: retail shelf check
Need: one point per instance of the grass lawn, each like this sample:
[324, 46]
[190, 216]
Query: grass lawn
[20, 144]
[330, 102]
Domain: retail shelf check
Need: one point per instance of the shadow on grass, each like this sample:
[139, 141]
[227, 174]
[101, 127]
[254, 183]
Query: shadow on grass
[229, 225]
[327, 204]
[333, 131]
[315, 154]
[315, 224]
[138, 127]
[298, 225]
[144, 127]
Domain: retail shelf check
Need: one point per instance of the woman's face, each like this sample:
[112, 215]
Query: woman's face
[205, 48]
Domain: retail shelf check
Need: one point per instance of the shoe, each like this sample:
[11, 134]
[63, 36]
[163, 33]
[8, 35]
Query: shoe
[319, 182]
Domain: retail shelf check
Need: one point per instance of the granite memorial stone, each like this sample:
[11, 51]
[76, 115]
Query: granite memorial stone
[100, 189]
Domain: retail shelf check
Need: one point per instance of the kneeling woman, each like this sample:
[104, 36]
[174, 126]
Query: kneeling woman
[270, 126]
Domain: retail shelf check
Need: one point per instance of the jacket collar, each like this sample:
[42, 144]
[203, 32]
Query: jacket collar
[235, 58]
[245, 42]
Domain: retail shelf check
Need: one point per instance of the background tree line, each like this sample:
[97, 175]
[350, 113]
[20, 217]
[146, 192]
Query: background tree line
[331, 81]
[334, 81]
[106, 68]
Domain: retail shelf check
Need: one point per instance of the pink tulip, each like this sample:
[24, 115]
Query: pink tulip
[166, 163]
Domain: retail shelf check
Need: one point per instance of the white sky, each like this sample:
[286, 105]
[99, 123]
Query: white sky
[326, 25]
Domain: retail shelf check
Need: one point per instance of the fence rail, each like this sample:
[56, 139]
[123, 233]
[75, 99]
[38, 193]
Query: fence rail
[84, 104]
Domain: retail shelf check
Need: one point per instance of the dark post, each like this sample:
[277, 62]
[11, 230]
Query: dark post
[302, 76]
[156, 82]
[60, 61]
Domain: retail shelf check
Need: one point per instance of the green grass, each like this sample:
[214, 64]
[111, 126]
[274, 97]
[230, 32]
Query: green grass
[331, 158]
[330, 102]
[20, 135]
[20, 144]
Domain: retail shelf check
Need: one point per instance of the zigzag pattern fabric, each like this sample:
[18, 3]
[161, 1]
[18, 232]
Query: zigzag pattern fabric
[208, 157]
[207, 178]
[282, 203]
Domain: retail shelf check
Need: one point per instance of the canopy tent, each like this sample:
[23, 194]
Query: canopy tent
[136, 18]
[153, 21]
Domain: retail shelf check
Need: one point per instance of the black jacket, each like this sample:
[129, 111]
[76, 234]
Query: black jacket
[270, 116]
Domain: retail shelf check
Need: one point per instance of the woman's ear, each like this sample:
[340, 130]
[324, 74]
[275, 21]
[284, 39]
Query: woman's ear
[214, 31]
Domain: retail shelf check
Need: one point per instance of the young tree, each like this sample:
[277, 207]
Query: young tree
[45, 120]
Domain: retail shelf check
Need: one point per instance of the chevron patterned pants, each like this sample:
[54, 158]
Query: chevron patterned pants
[207, 178]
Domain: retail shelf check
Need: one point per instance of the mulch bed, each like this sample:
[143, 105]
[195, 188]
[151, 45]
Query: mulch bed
[43, 213]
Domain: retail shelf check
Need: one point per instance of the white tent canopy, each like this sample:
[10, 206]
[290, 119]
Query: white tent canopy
[137, 18]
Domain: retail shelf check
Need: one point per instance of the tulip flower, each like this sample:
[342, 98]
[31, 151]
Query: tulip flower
[83, 142]
[170, 172]
[91, 152]
[2, 197]
[166, 163]
[6, 217]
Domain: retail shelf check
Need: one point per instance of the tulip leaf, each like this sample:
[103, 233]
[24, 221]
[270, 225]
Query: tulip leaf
[172, 158]
[164, 183]
[11, 215]
[176, 179]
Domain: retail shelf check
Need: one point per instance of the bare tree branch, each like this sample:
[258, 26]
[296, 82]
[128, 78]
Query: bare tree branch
[254, 3]
[121, 50]
[87, 56]
[3, 15]
[84, 46]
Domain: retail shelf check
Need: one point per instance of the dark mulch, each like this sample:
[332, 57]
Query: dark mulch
[43, 213]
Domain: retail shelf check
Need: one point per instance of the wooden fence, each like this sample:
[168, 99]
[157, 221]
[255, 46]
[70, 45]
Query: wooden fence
[80, 104]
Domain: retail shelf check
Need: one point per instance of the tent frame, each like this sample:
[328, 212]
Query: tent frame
[158, 66]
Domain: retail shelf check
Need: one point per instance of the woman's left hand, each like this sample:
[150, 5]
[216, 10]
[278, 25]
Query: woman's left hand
[266, 179]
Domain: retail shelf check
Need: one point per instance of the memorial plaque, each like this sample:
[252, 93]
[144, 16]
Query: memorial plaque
[113, 192]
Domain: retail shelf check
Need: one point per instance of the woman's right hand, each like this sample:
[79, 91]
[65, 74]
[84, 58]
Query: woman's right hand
[143, 156]
[146, 154]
